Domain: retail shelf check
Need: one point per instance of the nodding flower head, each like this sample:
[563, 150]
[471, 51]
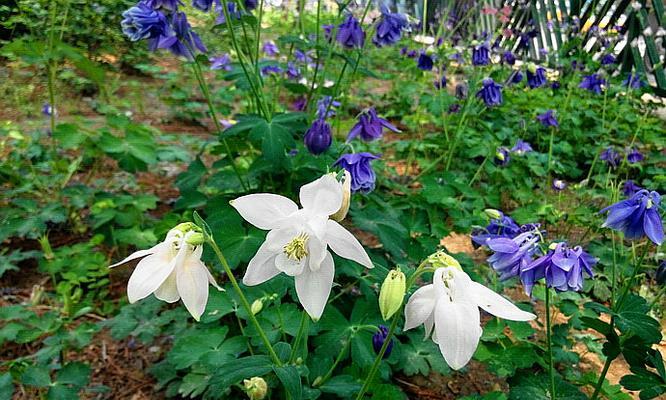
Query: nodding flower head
[563, 267]
[370, 126]
[490, 93]
[350, 34]
[389, 28]
[481, 55]
[536, 77]
[593, 83]
[512, 256]
[637, 216]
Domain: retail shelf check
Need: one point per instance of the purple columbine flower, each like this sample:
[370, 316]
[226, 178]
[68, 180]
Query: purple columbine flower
[293, 72]
[318, 137]
[481, 55]
[490, 93]
[634, 156]
[185, 39]
[502, 227]
[563, 267]
[536, 77]
[47, 110]
[300, 104]
[633, 81]
[462, 90]
[358, 166]
[270, 49]
[378, 340]
[222, 62]
[234, 13]
[548, 119]
[502, 156]
[558, 185]
[608, 59]
[412, 54]
[350, 34]
[328, 31]
[440, 83]
[250, 4]
[630, 188]
[370, 126]
[637, 216]
[593, 83]
[509, 57]
[303, 57]
[512, 256]
[325, 107]
[555, 85]
[143, 22]
[204, 5]
[516, 77]
[425, 62]
[169, 5]
[270, 70]
[521, 147]
[389, 28]
[611, 157]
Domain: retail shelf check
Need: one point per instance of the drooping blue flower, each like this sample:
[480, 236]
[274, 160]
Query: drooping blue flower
[633, 81]
[370, 126]
[490, 93]
[509, 57]
[250, 4]
[350, 34]
[47, 110]
[502, 156]
[326, 107]
[318, 137]
[143, 22]
[555, 85]
[270, 69]
[440, 83]
[481, 55]
[536, 77]
[204, 5]
[234, 13]
[558, 185]
[504, 226]
[358, 166]
[303, 57]
[389, 28]
[300, 104]
[462, 90]
[563, 267]
[378, 340]
[593, 83]
[637, 216]
[608, 59]
[516, 77]
[270, 49]
[293, 72]
[521, 147]
[630, 188]
[525, 37]
[512, 256]
[169, 5]
[185, 40]
[222, 62]
[611, 157]
[548, 119]
[425, 62]
[634, 156]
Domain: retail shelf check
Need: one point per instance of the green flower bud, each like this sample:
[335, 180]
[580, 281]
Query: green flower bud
[256, 306]
[392, 293]
[195, 239]
[185, 227]
[492, 213]
[441, 260]
[256, 388]
[531, 67]
[346, 198]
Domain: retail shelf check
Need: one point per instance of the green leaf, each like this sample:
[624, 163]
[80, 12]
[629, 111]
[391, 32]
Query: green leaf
[290, 379]
[6, 386]
[242, 368]
[189, 349]
[75, 373]
[36, 375]
[342, 385]
[62, 392]
[632, 318]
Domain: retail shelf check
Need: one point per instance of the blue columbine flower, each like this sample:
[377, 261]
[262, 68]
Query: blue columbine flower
[633, 81]
[425, 62]
[440, 83]
[143, 22]
[548, 119]
[370, 126]
[303, 57]
[185, 39]
[462, 89]
[502, 156]
[328, 31]
[555, 85]
[536, 77]
[47, 110]
[270, 70]
[509, 57]
[325, 107]
[558, 185]
[300, 104]
[350, 34]
[637, 216]
[378, 340]
[563, 267]
[608, 59]
[293, 72]
[250, 4]
[358, 166]
[270, 49]
[593, 83]
[512, 256]
[318, 137]
[169, 5]
[502, 227]
[389, 28]
[611, 157]
[521, 147]
[221, 62]
[634, 156]
[490, 93]
[481, 55]
[630, 188]
[516, 77]
[204, 5]
[234, 13]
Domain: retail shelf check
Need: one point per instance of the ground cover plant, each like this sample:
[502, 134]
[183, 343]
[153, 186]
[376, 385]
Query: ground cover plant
[314, 200]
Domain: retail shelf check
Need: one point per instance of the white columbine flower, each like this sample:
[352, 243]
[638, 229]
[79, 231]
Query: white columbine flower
[298, 240]
[451, 304]
[172, 270]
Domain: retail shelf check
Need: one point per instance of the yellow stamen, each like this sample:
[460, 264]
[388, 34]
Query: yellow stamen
[296, 249]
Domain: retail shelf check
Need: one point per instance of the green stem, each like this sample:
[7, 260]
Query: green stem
[380, 356]
[258, 35]
[550, 152]
[299, 336]
[244, 302]
[549, 344]
[602, 377]
[341, 354]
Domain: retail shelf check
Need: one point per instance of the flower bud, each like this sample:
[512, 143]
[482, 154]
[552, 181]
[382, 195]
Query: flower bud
[195, 239]
[441, 260]
[378, 340]
[185, 227]
[256, 306]
[492, 213]
[346, 198]
[392, 293]
[531, 67]
[256, 388]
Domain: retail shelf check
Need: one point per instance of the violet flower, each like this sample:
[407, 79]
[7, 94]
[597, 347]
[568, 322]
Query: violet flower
[358, 166]
[637, 216]
[370, 126]
[563, 267]
[548, 119]
[490, 93]
[350, 34]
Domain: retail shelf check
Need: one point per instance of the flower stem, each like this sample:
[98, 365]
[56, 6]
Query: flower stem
[549, 345]
[299, 336]
[380, 356]
[244, 302]
[341, 354]
[550, 152]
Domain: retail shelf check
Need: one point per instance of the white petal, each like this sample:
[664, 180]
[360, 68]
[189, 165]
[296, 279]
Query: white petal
[198, 251]
[141, 253]
[420, 306]
[264, 210]
[323, 196]
[314, 287]
[168, 291]
[429, 324]
[497, 304]
[344, 244]
[317, 253]
[149, 274]
[262, 266]
[289, 266]
[192, 283]
[458, 329]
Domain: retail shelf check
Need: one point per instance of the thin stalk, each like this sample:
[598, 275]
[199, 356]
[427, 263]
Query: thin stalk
[478, 171]
[550, 151]
[258, 36]
[424, 21]
[549, 344]
[244, 302]
[51, 65]
[299, 336]
[339, 358]
[380, 356]
[600, 382]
